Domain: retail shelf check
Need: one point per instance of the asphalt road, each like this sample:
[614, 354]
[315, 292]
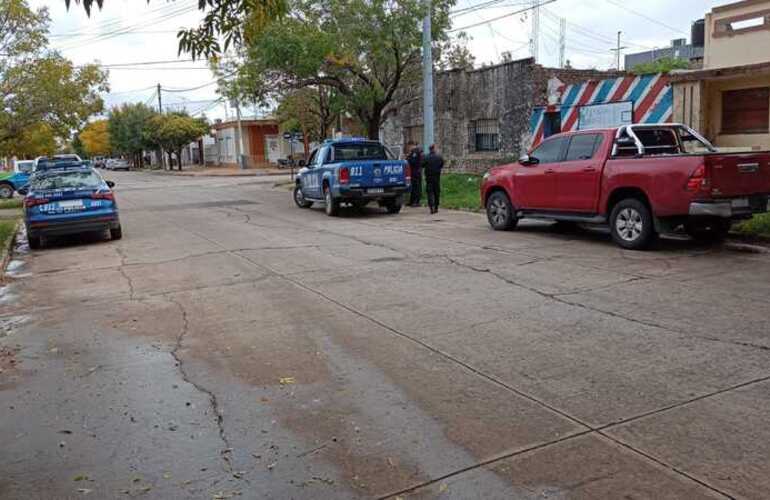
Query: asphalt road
[232, 344]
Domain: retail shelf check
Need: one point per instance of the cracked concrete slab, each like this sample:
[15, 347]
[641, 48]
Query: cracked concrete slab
[370, 354]
[723, 439]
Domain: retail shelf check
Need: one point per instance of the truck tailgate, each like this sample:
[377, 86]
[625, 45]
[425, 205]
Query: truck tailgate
[739, 174]
[377, 173]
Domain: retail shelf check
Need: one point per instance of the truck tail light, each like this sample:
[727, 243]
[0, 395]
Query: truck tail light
[408, 173]
[344, 175]
[32, 202]
[103, 195]
[698, 180]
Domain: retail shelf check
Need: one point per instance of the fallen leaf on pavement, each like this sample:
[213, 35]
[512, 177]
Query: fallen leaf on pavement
[81, 477]
[84, 491]
[443, 487]
[287, 380]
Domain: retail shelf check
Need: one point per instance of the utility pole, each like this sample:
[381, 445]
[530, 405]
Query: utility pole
[618, 50]
[534, 40]
[160, 110]
[239, 145]
[562, 41]
[427, 80]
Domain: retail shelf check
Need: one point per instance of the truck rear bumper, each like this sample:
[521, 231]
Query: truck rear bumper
[369, 194]
[735, 208]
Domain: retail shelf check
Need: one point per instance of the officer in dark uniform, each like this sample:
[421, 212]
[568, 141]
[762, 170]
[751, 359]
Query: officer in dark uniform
[414, 158]
[434, 163]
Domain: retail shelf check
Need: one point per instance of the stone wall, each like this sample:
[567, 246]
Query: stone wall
[505, 93]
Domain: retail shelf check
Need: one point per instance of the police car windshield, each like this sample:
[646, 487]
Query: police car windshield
[362, 151]
[75, 179]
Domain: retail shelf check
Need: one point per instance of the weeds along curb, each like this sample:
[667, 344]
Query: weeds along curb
[7, 250]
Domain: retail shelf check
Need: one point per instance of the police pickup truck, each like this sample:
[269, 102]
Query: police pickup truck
[353, 171]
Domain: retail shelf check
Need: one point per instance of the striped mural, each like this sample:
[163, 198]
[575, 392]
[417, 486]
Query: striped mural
[651, 96]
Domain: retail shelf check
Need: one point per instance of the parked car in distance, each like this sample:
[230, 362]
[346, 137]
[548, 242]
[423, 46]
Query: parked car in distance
[116, 164]
[12, 181]
[642, 180]
[353, 171]
[69, 200]
[99, 161]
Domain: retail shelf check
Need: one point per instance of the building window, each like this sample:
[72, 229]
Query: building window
[745, 23]
[484, 135]
[746, 111]
[413, 134]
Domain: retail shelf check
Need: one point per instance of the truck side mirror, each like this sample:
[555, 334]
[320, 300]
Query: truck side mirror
[527, 160]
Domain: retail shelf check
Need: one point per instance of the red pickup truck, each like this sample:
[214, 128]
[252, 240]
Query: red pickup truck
[642, 180]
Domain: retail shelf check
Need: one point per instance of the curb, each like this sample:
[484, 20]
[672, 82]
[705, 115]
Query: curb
[746, 247]
[8, 250]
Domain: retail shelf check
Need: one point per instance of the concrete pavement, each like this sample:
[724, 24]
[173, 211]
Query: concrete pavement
[233, 345]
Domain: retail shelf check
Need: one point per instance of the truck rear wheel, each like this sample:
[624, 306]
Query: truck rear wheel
[631, 224]
[393, 205]
[6, 190]
[332, 205]
[500, 212]
[708, 231]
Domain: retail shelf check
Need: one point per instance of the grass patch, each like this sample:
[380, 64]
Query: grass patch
[458, 191]
[759, 225]
[12, 203]
[6, 231]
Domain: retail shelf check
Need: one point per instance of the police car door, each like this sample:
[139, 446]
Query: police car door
[311, 179]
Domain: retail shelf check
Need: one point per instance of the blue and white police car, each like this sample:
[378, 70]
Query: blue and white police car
[353, 171]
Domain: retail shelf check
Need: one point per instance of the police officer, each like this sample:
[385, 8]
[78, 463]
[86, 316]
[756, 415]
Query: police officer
[414, 158]
[434, 163]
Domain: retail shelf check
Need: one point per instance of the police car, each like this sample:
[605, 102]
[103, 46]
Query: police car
[353, 171]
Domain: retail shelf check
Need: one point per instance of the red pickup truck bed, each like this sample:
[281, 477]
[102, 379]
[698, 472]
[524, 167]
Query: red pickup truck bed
[641, 179]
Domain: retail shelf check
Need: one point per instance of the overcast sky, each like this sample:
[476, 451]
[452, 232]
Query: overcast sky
[133, 31]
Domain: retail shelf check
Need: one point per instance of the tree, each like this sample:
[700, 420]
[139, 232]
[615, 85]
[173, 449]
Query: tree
[174, 131]
[35, 140]
[225, 23]
[129, 129]
[663, 65]
[456, 54]
[96, 138]
[364, 49]
[38, 85]
[310, 110]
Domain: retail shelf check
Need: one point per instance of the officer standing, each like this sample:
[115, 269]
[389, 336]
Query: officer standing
[434, 163]
[414, 158]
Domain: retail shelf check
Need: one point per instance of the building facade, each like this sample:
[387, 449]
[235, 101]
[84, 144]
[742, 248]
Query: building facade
[603, 103]
[729, 99]
[262, 143]
[481, 116]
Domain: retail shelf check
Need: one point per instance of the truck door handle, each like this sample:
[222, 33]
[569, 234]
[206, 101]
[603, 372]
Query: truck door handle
[589, 169]
[549, 171]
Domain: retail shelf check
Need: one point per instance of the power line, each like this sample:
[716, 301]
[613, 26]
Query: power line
[130, 91]
[111, 23]
[651, 19]
[521, 11]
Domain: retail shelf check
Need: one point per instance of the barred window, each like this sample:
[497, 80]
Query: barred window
[413, 134]
[484, 135]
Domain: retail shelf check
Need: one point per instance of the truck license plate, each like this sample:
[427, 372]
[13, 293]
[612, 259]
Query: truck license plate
[740, 203]
[375, 190]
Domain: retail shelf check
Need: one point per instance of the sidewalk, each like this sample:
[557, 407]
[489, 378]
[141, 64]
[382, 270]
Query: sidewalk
[198, 171]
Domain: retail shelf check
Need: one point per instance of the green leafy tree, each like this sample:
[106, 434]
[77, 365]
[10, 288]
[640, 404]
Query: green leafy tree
[310, 110]
[455, 54]
[663, 65]
[225, 23]
[129, 129]
[363, 49]
[174, 131]
[38, 85]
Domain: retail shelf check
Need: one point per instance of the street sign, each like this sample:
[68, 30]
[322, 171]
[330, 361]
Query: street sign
[287, 135]
[611, 114]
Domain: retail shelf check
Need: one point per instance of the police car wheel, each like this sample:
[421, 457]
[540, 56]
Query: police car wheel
[299, 198]
[35, 242]
[6, 191]
[332, 205]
